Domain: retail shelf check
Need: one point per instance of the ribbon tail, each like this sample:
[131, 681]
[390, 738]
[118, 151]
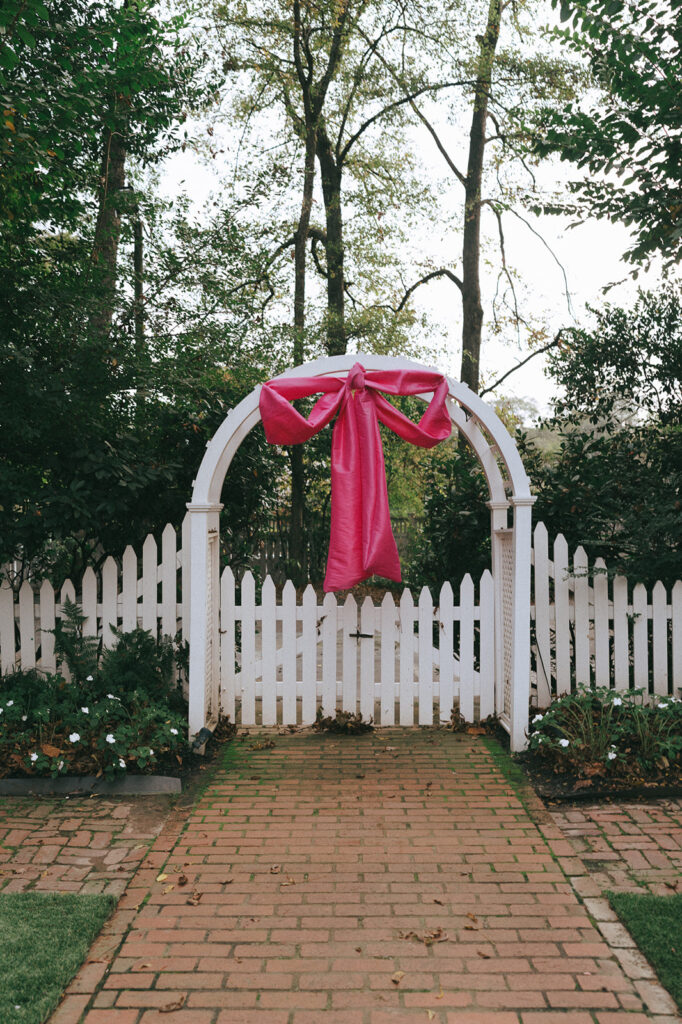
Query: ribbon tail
[361, 541]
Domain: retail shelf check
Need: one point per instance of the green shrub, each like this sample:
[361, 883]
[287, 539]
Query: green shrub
[120, 709]
[608, 731]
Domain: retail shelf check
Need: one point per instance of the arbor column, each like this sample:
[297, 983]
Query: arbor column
[498, 526]
[204, 647]
[520, 653]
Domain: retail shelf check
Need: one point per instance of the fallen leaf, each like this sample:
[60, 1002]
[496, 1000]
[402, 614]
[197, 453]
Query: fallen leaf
[161, 877]
[475, 730]
[183, 880]
[358, 949]
[275, 869]
[228, 881]
[194, 899]
[289, 881]
[441, 993]
[483, 956]
[439, 902]
[397, 977]
[169, 888]
[50, 750]
[472, 917]
[177, 1005]
[427, 937]
[141, 967]
[470, 928]
[430, 1014]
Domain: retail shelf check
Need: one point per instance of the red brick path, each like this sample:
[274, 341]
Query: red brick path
[312, 882]
[76, 844]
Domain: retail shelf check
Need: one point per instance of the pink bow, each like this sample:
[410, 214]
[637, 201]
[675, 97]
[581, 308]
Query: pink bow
[361, 541]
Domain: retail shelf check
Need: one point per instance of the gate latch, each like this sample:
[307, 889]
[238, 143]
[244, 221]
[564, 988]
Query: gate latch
[361, 636]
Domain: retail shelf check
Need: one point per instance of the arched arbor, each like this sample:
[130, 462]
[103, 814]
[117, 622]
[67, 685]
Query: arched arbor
[510, 503]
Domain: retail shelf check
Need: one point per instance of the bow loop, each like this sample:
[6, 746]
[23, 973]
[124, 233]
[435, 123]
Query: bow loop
[361, 542]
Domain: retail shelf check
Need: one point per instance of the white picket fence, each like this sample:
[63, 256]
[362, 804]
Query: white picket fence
[601, 631]
[405, 662]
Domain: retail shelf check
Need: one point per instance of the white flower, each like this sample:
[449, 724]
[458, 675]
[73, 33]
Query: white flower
[563, 743]
[151, 752]
[174, 731]
[112, 696]
[661, 706]
[617, 702]
[9, 703]
[24, 718]
[88, 679]
[86, 711]
[34, 757]
[60, 766]
[538, 718]
[121, 763]
[611, 755]
[74, 737]
[110, 738]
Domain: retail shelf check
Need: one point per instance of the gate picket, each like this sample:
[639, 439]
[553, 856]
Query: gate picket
[289, 654]
[248, 680]
[329, 611]
[640, 650]
[269, 652]
[446, 652]
[486, 658]
[309, 656]
[89, 605]
[659, 639]
[129, 589]
[425, 618]
[562, 627]
[466, 648]
[406, 640]
[601, 624]
[227, 644]
[388, 640]
[367, 659]
[47, 624]
[349, 684]
[27, 626]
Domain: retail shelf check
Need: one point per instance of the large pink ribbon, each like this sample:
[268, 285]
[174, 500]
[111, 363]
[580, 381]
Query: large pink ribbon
[361, 541]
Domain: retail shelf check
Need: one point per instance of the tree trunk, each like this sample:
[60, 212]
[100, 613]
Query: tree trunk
[337, 341]
[472, 310]
[296, 528]
[108, 229]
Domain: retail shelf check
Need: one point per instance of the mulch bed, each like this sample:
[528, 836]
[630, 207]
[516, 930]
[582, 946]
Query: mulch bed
[568, 787]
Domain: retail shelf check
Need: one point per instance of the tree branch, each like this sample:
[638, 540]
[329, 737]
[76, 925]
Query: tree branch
[556, 340]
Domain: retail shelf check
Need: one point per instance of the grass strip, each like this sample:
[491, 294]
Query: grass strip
[44, 939]
[655, 923]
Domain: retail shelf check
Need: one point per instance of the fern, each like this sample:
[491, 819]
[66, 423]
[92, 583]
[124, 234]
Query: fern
[79, 652]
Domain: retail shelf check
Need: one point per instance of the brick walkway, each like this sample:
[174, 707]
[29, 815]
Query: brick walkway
[357, 880]
[81, 844]
[630, 847]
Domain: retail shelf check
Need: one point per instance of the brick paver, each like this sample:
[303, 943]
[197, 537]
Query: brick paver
[396, 876]
[76, 844]
[629, 846]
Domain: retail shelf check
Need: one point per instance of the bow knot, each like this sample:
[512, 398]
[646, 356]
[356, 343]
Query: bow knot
[361, 542]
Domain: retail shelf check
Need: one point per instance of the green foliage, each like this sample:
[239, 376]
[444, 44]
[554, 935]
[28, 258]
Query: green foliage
[615, 483]
[606, 731]
[456, 526]
[68, 70]
[120, 709]
[44, 939]
[655, 923]
[629, 137]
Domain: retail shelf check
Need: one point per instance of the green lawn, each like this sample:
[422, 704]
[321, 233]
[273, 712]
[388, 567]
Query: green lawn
[44, 938]
[655, 923]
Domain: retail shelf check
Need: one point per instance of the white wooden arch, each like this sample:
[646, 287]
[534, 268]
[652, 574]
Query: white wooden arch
[508, 487]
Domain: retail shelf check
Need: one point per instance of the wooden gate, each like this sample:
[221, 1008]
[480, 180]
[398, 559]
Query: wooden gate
[396, 663]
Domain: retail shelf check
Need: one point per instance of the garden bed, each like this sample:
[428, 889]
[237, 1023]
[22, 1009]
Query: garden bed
[601, 744]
